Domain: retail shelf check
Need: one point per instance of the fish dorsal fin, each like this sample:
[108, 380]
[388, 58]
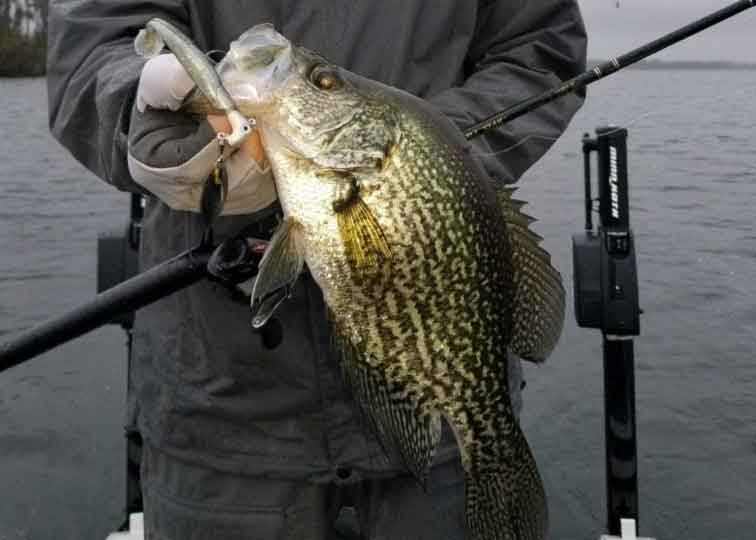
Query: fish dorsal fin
[538, 300]
[405, 433]
[279, 269]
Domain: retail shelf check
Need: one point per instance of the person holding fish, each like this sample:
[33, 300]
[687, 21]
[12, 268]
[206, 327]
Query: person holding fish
[250, 434]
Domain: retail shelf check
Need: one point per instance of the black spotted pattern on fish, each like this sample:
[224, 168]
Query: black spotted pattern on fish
[430, 277]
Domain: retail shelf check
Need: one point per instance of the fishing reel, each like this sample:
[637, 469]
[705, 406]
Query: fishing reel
[605, 272]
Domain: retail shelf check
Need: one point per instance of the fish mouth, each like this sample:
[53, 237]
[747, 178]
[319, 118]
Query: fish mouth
[257, 64]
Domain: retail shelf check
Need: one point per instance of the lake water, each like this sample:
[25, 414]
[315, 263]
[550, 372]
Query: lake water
[693, 207]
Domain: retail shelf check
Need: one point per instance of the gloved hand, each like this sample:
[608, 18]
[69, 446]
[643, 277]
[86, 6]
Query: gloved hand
[163, 84]
[171, 154]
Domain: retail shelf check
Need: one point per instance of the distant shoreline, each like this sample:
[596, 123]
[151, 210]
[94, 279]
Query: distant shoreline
[21, 55]
[29, 61]
[718, 65]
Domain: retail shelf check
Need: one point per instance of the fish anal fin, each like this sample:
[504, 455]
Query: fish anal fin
[405, 433]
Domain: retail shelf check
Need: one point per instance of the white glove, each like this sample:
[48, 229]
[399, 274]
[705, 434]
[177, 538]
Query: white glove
[171, 155]
[164, 84]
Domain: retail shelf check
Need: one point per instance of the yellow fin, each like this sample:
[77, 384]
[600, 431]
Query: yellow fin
[363, 237]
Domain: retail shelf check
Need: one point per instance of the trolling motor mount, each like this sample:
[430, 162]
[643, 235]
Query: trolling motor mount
[606, 298]
[605, 272]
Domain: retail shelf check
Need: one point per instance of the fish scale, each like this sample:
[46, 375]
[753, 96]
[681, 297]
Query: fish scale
[430, 276]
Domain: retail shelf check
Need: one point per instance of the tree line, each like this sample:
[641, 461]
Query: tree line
[23, 37]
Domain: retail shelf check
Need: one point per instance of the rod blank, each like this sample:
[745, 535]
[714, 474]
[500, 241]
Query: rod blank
[607, 68]
[137, 292]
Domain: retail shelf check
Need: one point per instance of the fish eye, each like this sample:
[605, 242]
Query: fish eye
[325, 78]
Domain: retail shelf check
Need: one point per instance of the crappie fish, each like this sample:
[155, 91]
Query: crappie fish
[430, 273]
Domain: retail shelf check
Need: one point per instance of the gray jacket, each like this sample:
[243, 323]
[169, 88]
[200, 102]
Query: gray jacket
[208, 389]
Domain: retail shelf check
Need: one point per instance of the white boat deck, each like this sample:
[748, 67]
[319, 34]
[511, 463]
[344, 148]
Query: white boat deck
[136, 530]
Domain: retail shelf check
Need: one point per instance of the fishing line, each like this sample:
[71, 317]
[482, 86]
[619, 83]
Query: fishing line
[515, 145]
[606, 69]
[631, 122]
[679, 108]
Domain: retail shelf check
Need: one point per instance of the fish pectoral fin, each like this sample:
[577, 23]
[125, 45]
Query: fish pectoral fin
[538, 296]
[365, 242]
[278, 272]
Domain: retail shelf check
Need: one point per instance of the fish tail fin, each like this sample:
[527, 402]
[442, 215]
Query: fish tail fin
[148, 43]
[507, 504]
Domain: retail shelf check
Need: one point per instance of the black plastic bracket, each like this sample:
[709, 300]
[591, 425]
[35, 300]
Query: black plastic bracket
[606, 298]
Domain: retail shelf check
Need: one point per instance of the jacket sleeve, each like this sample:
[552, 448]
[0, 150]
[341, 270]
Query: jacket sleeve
[520, 50]
[93, 73]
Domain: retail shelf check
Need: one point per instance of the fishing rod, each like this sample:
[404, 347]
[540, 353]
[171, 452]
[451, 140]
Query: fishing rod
[233, 261]
[135, 293]
[607, 68]
[180, 272]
